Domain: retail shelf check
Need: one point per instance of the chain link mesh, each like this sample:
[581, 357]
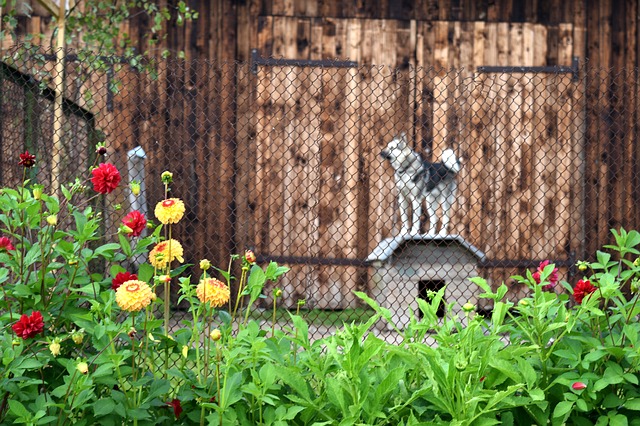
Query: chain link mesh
[284, 159]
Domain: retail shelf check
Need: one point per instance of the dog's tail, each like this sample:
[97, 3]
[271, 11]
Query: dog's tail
[450, 160]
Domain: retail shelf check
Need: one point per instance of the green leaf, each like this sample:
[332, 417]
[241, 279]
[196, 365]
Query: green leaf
[18, 410]
[230, 392]
[180, 269]
[103, 407]
[632, 404]
[106, 250]
[125, 244]
[145, 272]
[158, 387]
[537, 394]
[562, 409]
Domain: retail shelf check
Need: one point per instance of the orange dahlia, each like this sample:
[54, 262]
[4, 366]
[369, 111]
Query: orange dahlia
[213, 291]
[134, 295]
[170, 210]
[165, 252]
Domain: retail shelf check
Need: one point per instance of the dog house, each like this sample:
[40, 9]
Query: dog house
[406, 267]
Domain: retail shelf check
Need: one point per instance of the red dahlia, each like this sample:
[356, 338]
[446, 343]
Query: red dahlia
[553, 277]
[29, 326]
[122, 277]
[5, 244]
[177, 407]
[105, 178]
[136, 221]
[581, 289]
[27, 160]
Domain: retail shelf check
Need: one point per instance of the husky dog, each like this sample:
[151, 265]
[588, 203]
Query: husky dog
[417, 180]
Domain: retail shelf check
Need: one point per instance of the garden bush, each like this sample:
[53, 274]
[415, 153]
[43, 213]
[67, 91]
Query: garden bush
[86, 339]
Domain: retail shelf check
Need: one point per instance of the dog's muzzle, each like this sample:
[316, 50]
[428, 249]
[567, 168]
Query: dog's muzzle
[385, 155]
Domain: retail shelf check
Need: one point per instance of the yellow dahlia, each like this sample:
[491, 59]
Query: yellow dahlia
[165, 252]
[213, 291]
[134, 295]
[170, 210]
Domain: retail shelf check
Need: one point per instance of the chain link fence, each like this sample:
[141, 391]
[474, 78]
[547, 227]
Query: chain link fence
[284, 157]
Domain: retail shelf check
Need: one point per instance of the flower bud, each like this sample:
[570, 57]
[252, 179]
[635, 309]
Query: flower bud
[83, 367]
[578, 386]
[185, 351]
[163, 278]
[468, 307]
[117, 207]
[153, 339]
[582, 265]
[124, 229]
[167, 177]
[132, 332]
[250, 256]
[635, 285]
[37, 191]
[523, 302]
[78, 336]
[101, 149]
[135, 187]
[54, 347]
[73, 261]
[205, 264]
[52, 219]
[277, 292]
[215, 335]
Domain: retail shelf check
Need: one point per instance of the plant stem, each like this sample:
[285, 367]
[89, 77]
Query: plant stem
[273, 317]
[243, 277]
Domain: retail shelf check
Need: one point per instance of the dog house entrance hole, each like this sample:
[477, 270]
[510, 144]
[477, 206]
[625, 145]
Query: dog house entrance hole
[426, 286]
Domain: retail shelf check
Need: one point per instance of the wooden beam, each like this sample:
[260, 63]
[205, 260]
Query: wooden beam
[52, 6]
[58, 113]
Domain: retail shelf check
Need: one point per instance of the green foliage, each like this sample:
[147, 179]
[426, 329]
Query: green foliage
[546, 359]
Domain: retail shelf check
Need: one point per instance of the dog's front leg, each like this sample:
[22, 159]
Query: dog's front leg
[416, 210]
[431, 212]
[403, 204]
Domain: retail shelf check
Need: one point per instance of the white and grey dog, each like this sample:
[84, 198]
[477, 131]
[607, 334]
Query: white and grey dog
[418, 180]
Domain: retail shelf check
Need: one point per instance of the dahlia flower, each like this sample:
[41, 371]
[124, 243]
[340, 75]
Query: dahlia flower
[134, 295]
[553, 277]
[170, 210]
[136, 222]
[29, 326]
[213, 291]
[5, 244]
[165, 252]
[105, 178]
[27, 160]
[122, 277]
[582, 289]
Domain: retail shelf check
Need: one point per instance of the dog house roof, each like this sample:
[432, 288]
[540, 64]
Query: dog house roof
[387, 247]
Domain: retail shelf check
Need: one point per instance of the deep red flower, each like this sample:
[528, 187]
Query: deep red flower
[553, 277]
[177, 408]
[578, 386]
[27, 160]
[122, 277]
[105, 178]
[136, 221]
[29, 326]
[581, 289]
[5, 244]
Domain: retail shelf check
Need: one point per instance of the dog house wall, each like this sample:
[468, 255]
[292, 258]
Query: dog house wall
[401, 264]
